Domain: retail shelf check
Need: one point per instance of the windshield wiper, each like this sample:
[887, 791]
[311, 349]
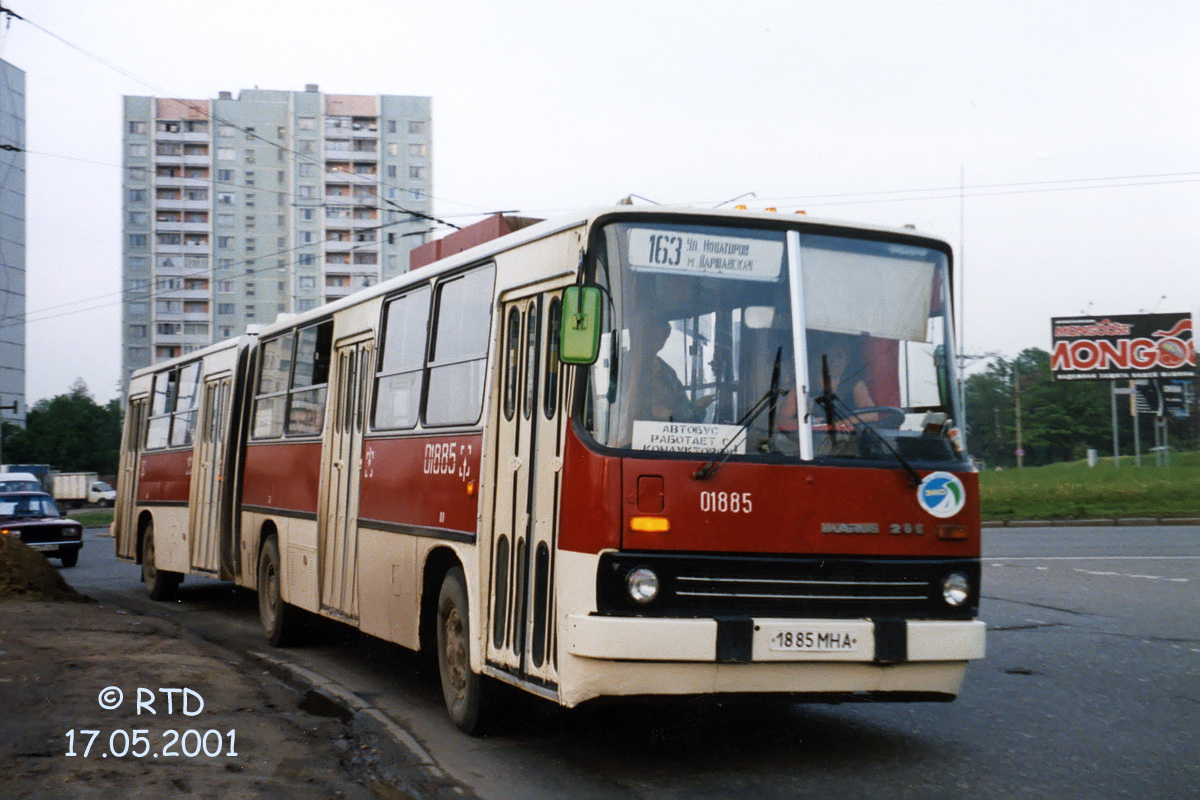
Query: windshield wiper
[767, 401]
[829, 400]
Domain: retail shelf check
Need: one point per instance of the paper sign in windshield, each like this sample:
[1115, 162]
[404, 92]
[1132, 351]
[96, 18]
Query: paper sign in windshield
[701, 254]
[687, 437]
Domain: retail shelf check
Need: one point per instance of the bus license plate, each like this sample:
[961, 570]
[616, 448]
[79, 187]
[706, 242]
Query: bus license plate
[802, 640]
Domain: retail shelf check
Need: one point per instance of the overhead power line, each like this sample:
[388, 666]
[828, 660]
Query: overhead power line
[154, 293]
[203, 110]
[997, 189]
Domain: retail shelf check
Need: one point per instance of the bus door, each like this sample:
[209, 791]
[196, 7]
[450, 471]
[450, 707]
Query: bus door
[206, 502]
[131, 452]
[338, 525]
[522, 634]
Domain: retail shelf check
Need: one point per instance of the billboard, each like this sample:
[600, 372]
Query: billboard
[1122, 347]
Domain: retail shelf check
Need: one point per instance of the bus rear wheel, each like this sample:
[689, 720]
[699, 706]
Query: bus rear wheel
[160, 584]
[280, 620]
[466, 692]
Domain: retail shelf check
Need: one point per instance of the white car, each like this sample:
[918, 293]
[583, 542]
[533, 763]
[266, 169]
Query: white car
[20, 482]
[100, 492]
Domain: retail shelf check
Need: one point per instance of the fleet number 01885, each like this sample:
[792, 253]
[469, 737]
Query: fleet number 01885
[726, 502]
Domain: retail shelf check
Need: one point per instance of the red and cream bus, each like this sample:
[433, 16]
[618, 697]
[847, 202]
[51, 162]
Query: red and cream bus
[636, 452]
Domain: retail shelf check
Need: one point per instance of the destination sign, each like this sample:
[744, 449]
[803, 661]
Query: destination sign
[695, 253]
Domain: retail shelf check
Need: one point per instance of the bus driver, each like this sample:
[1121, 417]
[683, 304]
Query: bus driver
[657, 391]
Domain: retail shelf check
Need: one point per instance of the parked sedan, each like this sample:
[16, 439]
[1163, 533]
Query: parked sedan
[34, 519]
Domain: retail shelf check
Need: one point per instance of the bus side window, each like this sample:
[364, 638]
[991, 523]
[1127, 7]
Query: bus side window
[553, 365]
[306, 402]
[158, 431]
[512, 362]
[183, 425]
[458, 357]
[533, 333]
[274, 374]
[398, 382]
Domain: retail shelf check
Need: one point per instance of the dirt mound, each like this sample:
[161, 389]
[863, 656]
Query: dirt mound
[26, 574]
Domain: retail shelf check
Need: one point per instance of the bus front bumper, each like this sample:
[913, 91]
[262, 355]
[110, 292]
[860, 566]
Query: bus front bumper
[610, 656]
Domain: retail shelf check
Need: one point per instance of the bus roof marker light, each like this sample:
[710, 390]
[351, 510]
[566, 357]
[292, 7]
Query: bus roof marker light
[649, 524]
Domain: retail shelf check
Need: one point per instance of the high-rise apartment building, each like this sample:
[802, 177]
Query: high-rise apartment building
[238, 209]
[12, 240]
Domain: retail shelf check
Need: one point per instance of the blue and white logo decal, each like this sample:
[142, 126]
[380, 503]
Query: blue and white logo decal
[942, 494]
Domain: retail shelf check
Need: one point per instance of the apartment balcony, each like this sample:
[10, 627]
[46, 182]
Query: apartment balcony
[182, 135]
[182, 227]
[189, 295]
[336, 269]
[183, 159]
[181, 249]
[181, 204]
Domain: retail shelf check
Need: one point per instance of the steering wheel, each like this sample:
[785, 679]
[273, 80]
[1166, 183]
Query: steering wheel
[884, 416]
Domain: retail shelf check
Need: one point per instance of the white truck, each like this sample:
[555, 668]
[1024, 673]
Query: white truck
[74, 489]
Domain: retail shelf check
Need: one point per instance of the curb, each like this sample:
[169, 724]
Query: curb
[433, 779]
[1090, 523]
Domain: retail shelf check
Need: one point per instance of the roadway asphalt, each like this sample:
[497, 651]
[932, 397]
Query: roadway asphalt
[1089, 689]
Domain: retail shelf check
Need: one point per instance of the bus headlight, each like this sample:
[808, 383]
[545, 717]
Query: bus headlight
[956, 588]
[642, 585]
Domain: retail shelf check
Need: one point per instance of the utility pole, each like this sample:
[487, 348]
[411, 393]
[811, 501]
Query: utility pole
[1116, 436]
[1017, 401]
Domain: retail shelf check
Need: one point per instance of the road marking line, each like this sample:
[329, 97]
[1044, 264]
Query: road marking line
[1123, 575]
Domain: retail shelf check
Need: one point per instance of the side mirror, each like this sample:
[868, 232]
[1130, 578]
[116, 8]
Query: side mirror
[579, 339]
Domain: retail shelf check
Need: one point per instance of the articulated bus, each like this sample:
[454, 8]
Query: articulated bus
[632, 453]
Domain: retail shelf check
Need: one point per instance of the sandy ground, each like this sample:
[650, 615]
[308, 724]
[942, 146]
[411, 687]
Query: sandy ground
[63, 662]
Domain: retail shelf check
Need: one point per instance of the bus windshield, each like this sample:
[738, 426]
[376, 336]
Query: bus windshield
[701, 345]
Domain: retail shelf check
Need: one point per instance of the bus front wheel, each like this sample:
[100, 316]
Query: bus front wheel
[466, 692]
[280, 620]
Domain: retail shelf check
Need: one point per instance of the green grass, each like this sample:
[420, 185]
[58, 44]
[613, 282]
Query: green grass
[92, 519]
[1076, 491]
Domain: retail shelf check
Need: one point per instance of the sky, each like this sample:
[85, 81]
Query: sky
[1055, 144]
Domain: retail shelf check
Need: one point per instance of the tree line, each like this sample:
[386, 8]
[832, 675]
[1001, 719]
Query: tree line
[70, 432]
[1060, 420]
